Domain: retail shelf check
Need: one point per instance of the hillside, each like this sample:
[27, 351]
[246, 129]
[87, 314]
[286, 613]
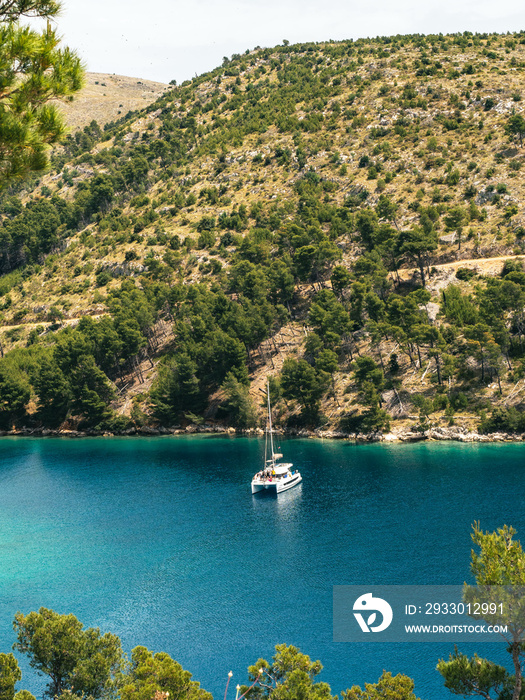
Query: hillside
[107, 97]
[344, 217]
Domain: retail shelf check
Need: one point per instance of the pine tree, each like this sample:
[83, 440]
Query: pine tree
[33, 71]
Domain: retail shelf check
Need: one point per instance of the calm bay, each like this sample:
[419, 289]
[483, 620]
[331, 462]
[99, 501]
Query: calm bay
[160, 541]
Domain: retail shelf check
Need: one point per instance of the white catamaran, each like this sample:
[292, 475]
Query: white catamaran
[275, 476]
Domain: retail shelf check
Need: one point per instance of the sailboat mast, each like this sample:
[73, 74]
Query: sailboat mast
[270, 417]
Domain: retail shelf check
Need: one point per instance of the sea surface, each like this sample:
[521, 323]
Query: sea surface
[161, 542]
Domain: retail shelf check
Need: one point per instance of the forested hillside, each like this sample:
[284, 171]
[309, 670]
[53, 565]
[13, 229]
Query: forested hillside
[291, 214]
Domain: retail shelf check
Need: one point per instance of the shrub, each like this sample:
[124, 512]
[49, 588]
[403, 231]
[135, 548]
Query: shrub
[102, 278]
[465, 274]
[508, 420]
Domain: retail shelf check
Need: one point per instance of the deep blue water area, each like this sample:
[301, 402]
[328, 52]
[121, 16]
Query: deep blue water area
[161, 542]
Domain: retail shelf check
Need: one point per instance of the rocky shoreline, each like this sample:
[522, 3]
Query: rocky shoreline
[399, 435]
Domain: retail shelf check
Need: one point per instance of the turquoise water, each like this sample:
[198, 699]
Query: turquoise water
[161, 542]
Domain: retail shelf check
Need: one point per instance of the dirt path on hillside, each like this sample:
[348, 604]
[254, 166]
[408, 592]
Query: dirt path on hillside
[487, 266]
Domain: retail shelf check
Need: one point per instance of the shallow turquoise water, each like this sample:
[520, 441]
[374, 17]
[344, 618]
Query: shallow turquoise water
[161, 542]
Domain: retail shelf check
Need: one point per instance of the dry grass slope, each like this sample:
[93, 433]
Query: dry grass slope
[107, 97]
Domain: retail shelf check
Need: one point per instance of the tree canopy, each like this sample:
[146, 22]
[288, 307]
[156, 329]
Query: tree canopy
[81, 661]
[33, 71]
[290, 675]
[153, 673]
[498, 566]
[85, 664]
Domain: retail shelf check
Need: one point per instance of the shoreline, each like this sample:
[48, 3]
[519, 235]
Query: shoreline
[401, 435]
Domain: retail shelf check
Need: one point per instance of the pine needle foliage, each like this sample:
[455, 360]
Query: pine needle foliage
[33, 71]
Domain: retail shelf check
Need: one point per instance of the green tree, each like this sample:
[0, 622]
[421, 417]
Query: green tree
[501, 562]
[33, 72]
[131, 302]
[475, 676]
[221, 354]
[516, 126]
[10, 674]
[301, 382]
[101, 194]
[424, 405]
[76, 660]
[387, 209]
[151, 673]
[367, 225]
[388, 687]
[454, 221]
[282, 284]
[479, 339]
[312, 347]
[131, 337]
[176, 389]
[91, 389]
[53, 391]
[371, 381]
[458, 307]
[304, 259]
[290, 676]
[249, 279]
[15, 392]
[499, 571]
[238, 402]
[107, 344]
[340, 279]
[326, 361]
[416, 244]
[329, 317]
[70, 347]
[366, 370]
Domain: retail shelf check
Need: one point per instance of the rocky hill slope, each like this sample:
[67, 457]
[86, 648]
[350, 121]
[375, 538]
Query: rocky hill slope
[323, 214]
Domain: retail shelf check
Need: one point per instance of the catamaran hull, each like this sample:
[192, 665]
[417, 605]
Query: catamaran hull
[276, 486]
[294, 481]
